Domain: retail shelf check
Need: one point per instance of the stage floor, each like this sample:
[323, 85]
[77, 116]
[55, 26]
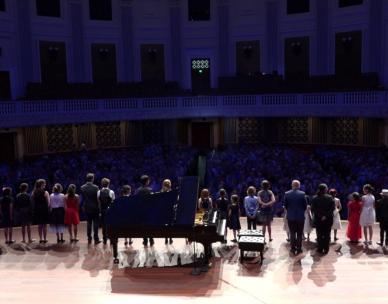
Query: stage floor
[85, 274]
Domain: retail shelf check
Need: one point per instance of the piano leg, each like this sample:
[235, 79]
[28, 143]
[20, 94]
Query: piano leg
[207, 257]
[115, 251]
[241, 255]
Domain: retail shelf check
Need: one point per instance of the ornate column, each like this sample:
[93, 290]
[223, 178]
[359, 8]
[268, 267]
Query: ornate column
[272, 35]
[127, 34]
[322, 33]
[375, 35]
[23, 11]
[176, 39]
[77, 40]
[223, 37]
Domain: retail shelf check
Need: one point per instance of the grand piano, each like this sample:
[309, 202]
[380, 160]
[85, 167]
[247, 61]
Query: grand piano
[168, 214]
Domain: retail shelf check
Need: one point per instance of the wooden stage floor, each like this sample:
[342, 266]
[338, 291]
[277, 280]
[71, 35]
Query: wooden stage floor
[85, 274]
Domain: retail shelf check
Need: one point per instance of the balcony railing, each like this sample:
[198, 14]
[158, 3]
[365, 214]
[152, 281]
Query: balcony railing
[45, 112]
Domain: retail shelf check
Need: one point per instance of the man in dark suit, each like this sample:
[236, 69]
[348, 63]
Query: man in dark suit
[91, 207]
[145, 190]
[322, 207]
[382, 217]
[124, 199]
[295, 203]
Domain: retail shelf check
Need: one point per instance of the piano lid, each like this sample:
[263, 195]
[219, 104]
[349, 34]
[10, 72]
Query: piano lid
[187, 202]
[157, 209]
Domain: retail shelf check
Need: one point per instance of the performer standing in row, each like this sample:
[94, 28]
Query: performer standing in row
[72, 203]
[166, 187]
[222, 205]
[336, 215]
[23, 211]
[105, 197]
[91, 207]
[124, 199]
[353, 231]
[205, 202]
[308, 221]
[234, 217]
[251, 205]
[266, 200]
[295, 204]
[57, 207]
[145, 190]
[322, 207]
[6, 212]
[368, 214]
[41, 199]
[382, 217]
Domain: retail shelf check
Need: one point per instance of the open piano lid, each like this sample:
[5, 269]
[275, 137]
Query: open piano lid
[158, 209]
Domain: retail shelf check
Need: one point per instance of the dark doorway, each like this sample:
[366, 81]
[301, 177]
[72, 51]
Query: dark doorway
[152, 62]
[297, 58]
[104, 63]
[247, 58]
[53, 62]
[201, 134]
[7, 154]
[348, 53]
[200, 75]
[5, 86]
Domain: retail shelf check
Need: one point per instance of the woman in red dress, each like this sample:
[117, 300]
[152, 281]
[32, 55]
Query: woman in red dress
[72, 213]
[354, 208]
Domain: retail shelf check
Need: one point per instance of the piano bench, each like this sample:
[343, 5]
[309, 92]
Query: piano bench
[251, 243]
[247, 232]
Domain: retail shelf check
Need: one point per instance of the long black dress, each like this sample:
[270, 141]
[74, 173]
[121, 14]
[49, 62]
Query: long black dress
[23, 209]
[41, 210]
[5, 204]
[234, 219]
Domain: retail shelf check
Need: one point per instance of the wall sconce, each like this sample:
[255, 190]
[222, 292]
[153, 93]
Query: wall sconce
[347, 43]
[53, 53]
[296, 47]
[152, 54]
[247, 50]
[104, 53]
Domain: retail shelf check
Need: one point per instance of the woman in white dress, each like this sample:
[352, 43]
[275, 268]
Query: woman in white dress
[285, 225]
[336, 214]
[368, 214]
[57, 208]
[308, 222]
